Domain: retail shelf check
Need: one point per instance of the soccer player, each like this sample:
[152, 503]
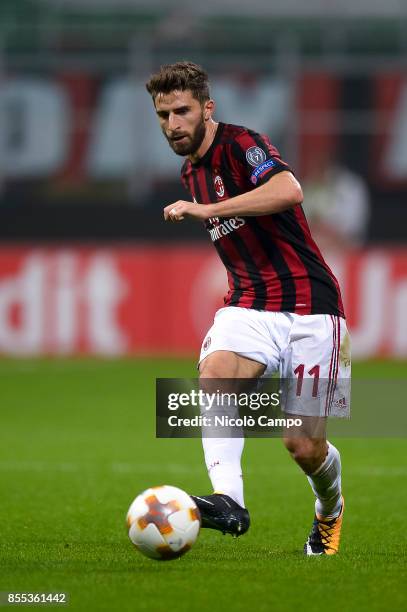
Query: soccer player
[283, 310]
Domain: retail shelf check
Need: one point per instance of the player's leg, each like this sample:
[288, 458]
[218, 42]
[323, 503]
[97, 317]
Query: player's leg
[225, 510]
[223, 455]
[235, 349]
[319, 347]
[321, 463]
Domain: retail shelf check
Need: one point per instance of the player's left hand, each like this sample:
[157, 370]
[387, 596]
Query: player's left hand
[181, 209]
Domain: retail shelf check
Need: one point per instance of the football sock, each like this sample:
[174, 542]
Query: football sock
[326, 484]
[222, 457]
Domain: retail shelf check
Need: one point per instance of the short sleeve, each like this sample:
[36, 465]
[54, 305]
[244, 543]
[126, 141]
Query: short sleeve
[258, 158]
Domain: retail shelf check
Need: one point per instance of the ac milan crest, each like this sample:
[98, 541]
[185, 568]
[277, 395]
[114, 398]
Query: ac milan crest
[219, 186]
[207, 343]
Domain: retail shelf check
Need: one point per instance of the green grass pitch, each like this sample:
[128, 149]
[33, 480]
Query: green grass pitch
[77, 444]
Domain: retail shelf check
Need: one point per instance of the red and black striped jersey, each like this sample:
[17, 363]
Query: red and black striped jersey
[272, 262]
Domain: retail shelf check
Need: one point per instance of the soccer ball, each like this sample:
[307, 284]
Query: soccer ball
[163, 522]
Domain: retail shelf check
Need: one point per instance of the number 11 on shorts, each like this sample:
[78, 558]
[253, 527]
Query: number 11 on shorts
[299, 370]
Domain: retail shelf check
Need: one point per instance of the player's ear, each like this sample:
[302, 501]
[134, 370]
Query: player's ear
[209, 109]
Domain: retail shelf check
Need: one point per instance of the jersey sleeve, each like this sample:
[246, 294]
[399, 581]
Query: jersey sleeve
[257, 158]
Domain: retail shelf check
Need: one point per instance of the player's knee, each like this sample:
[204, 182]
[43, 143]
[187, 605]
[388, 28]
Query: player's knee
[307, 452]
[219, 365]
[228, 365]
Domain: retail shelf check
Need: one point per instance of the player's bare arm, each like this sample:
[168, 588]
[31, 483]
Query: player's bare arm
[280, 193]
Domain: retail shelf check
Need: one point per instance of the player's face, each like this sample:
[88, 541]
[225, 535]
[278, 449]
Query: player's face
[182, 121]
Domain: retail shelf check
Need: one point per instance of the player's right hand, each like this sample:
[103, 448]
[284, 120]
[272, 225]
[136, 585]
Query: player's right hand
[181, 209]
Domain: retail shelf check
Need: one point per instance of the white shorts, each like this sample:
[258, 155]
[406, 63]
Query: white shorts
[311, 352]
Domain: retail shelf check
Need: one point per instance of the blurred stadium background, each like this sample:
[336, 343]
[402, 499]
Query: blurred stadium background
[87, 265]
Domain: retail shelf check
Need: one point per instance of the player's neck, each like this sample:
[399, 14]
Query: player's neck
[210, 132]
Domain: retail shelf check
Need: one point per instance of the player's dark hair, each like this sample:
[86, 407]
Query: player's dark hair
[180, 77]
